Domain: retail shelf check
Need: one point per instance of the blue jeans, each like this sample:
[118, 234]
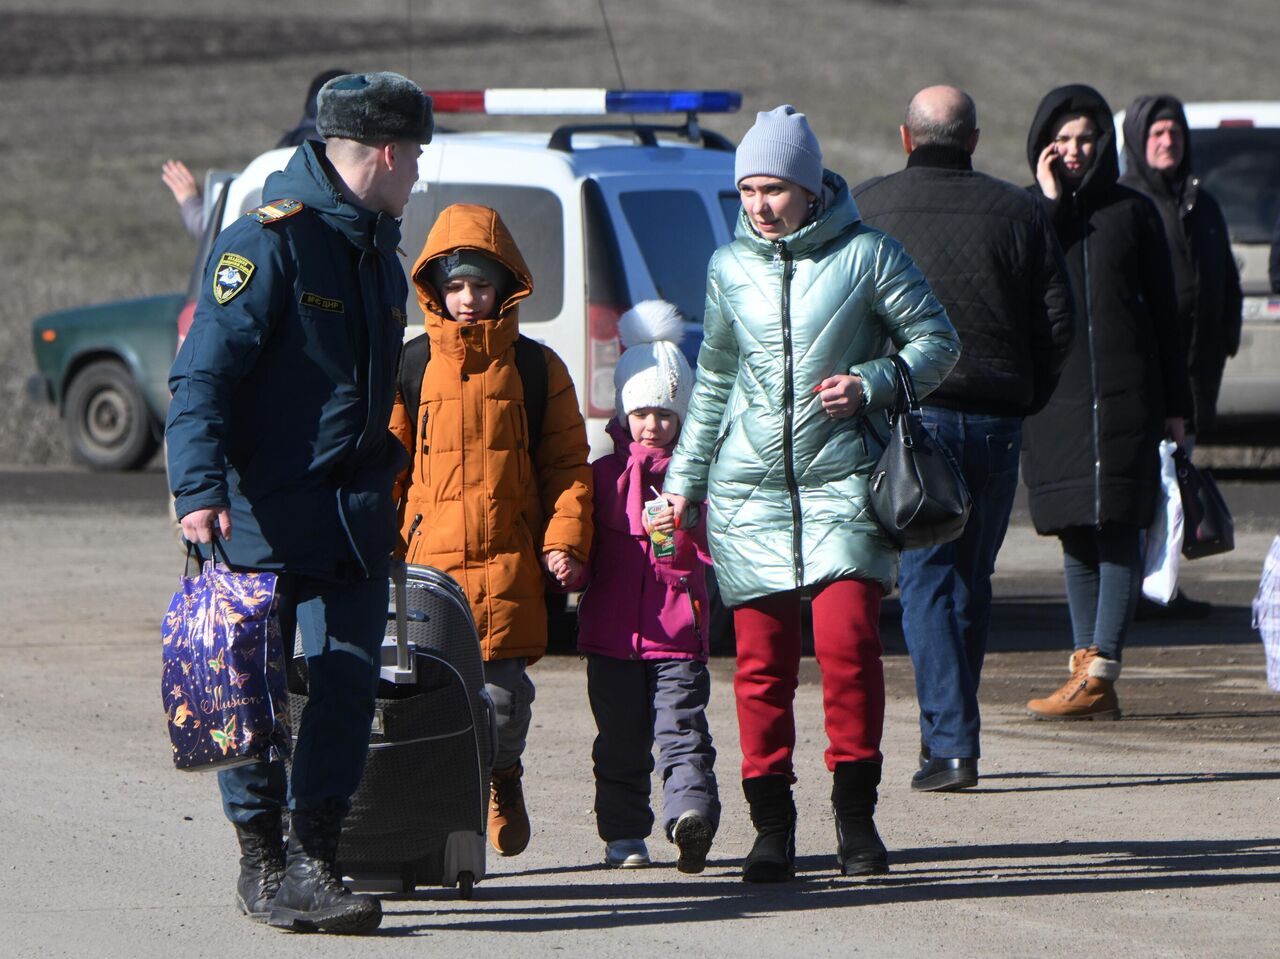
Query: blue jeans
[946, 589]
[635, 703]
[342, 625]
[1103, 569]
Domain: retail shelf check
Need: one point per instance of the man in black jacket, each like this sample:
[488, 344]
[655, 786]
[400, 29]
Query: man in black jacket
[1158, 164]
[988, 252]
[1157, 159]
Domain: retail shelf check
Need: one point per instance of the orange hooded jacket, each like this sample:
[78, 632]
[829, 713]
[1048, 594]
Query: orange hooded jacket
[474, 503]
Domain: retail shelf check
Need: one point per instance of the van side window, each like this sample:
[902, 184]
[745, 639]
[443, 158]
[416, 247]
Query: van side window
[535, 219]
[730, 206]
[674, 234]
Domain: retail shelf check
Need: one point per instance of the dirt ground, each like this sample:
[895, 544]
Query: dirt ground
[98, 93]
[1152, 837]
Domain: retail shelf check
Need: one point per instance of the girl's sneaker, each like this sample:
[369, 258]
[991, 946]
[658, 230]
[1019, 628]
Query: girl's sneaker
[626, 853]
[692, 835]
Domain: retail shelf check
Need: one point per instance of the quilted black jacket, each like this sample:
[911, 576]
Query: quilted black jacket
[988, 251]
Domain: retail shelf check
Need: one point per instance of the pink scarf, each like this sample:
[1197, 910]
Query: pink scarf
[646, 467]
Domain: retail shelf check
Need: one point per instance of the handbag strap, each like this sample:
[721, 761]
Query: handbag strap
[906, 389]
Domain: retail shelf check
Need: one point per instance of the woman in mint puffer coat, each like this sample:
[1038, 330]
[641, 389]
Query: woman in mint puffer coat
[802, 307]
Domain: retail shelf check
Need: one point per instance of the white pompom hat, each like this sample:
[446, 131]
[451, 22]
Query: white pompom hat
[652, 372]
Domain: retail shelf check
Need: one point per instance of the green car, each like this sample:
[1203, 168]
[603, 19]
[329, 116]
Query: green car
[106, 368]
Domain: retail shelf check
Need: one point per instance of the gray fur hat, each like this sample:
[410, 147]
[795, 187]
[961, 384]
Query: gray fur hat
[781, 144]
[374, 106]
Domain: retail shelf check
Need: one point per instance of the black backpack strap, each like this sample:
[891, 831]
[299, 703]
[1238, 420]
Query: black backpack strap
[413, 366]
[531, 364]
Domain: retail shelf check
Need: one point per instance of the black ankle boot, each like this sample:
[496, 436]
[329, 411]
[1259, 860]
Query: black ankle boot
[312, 897]
[859, 849]
[773, 855]
[261, 864]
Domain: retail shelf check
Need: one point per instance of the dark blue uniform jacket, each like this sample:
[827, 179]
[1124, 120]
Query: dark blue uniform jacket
[283, 389]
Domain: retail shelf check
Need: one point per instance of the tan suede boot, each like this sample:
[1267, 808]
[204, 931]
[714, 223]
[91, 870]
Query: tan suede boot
[508, 818]
[1090, 693]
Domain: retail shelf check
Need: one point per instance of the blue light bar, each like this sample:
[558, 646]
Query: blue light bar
[672, 101]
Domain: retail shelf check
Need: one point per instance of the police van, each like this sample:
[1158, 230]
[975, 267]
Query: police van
[605, 213]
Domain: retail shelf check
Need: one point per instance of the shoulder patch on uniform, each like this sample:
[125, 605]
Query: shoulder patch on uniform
[231, 277]
[271, 212]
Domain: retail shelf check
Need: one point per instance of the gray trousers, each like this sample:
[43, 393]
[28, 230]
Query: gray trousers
[638, 702]
[512, 692]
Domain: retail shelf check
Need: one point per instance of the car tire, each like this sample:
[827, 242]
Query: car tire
[108, 423]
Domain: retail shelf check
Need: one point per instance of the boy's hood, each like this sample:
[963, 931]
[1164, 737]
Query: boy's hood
[467, 226]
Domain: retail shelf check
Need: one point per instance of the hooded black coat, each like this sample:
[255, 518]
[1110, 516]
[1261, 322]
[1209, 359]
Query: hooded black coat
[1091, 455]
[1205, 278]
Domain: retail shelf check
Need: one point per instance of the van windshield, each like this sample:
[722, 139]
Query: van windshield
[1240, 166]
[676, 240]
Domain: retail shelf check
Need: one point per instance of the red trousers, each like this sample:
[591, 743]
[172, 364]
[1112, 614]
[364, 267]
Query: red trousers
[846, 636]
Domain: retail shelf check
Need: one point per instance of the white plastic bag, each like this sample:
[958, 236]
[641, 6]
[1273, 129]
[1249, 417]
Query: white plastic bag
[1266, 613]
[1164, 535]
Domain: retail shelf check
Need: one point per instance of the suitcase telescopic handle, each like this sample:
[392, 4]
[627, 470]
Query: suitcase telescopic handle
[400, 577]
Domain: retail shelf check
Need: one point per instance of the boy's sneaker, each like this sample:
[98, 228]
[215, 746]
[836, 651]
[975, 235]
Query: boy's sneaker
[626, 853]
[692, 835]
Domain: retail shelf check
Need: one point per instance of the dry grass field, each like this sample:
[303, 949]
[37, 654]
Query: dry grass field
[96, 94]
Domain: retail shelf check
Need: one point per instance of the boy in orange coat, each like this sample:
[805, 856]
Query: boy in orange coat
[496, 509]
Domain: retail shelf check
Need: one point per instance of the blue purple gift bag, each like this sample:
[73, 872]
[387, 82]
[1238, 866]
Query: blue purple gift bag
[223, 685]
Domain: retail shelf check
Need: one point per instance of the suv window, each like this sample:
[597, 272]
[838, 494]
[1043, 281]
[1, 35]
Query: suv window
[674, 234]
[535, 219]
[1240, 166]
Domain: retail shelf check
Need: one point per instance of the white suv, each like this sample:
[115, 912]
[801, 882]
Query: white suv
[1235, 150]
[605, 214]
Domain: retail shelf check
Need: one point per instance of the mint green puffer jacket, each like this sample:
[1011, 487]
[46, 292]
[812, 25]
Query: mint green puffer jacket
[786, 484]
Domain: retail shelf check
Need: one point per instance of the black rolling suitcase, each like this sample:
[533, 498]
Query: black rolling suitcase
[420, 814]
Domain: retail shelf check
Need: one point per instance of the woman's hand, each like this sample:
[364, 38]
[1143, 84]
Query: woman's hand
[1045, 175]
[1175, 427]
[684, 509]
[841, 395]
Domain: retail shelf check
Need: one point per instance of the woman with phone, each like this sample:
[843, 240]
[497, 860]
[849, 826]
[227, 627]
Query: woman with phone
[1090, 457]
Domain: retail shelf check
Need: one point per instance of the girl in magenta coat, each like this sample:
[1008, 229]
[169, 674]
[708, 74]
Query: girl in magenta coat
[642, 621]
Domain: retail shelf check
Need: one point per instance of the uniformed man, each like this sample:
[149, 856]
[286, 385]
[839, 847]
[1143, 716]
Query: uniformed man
[278, 443]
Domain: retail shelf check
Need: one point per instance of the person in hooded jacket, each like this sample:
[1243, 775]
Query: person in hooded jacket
[480, 500]
[800, 307]
[277, 430]
[1157, 161]
[1090, 457]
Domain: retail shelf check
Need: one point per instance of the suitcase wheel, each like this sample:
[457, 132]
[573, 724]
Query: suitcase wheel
[466, 880]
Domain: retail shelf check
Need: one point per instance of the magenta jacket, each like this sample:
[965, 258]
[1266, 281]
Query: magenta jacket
[636, 606]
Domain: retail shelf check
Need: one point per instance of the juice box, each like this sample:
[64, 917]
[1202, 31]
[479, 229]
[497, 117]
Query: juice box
[664, 543]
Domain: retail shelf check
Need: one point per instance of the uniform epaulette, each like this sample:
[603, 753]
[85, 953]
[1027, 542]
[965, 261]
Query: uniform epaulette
[272, 212]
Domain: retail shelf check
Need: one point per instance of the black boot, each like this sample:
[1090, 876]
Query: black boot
[773, 855]
[261, 864]
[312, 897]
[859, 849]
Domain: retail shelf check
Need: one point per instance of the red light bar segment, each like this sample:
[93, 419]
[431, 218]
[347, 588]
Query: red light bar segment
[1242, 122]
[456, 101]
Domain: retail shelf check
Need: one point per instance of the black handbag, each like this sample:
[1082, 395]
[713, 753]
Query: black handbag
[1208, 528]
[917, 492]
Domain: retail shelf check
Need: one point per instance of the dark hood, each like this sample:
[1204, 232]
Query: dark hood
[307, 179]
[1137, 121]
[1069, 100]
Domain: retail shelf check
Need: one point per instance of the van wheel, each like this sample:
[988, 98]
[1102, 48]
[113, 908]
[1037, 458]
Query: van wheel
[108, 423]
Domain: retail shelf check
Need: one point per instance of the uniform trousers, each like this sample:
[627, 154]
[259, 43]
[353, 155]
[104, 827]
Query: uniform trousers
[341, 625]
